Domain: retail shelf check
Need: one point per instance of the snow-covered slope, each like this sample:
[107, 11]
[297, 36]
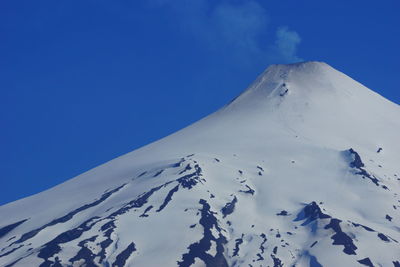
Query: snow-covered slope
[301, 169]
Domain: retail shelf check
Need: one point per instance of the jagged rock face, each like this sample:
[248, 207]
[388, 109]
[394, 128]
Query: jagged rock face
[300, 170]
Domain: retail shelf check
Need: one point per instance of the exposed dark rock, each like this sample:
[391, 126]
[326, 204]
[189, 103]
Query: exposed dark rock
[237, 244]
[158, 173]
[138, 202]
[168, 198]
[277, 261]
[107, 229]
[52, 247]
[144, 214]
[262, 248]
[143, 173]
[229, 207]
[259, 257]
[124, 255]
[282, 213]
[358, 164]
[341, 238]
[85, 253]
[70, 215]
[383, 237]
[190, 180]
[367, 262]
[199, 249]
[310, 213]
[11, 251]
[363, 226]
[178, 164]
[248, 191]
[284, 92]
[187, 168]
[11, 238]
[14, 262]
[8, 228]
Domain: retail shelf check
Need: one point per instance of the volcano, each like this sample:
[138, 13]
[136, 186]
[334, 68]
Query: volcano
[301, 169]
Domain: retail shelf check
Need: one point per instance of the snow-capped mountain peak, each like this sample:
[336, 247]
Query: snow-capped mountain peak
[310, 77]
[301, 169]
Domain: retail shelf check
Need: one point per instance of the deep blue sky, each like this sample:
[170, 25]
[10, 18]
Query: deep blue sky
[82, 82]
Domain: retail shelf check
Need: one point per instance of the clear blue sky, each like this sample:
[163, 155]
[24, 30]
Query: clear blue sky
[82, 82]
